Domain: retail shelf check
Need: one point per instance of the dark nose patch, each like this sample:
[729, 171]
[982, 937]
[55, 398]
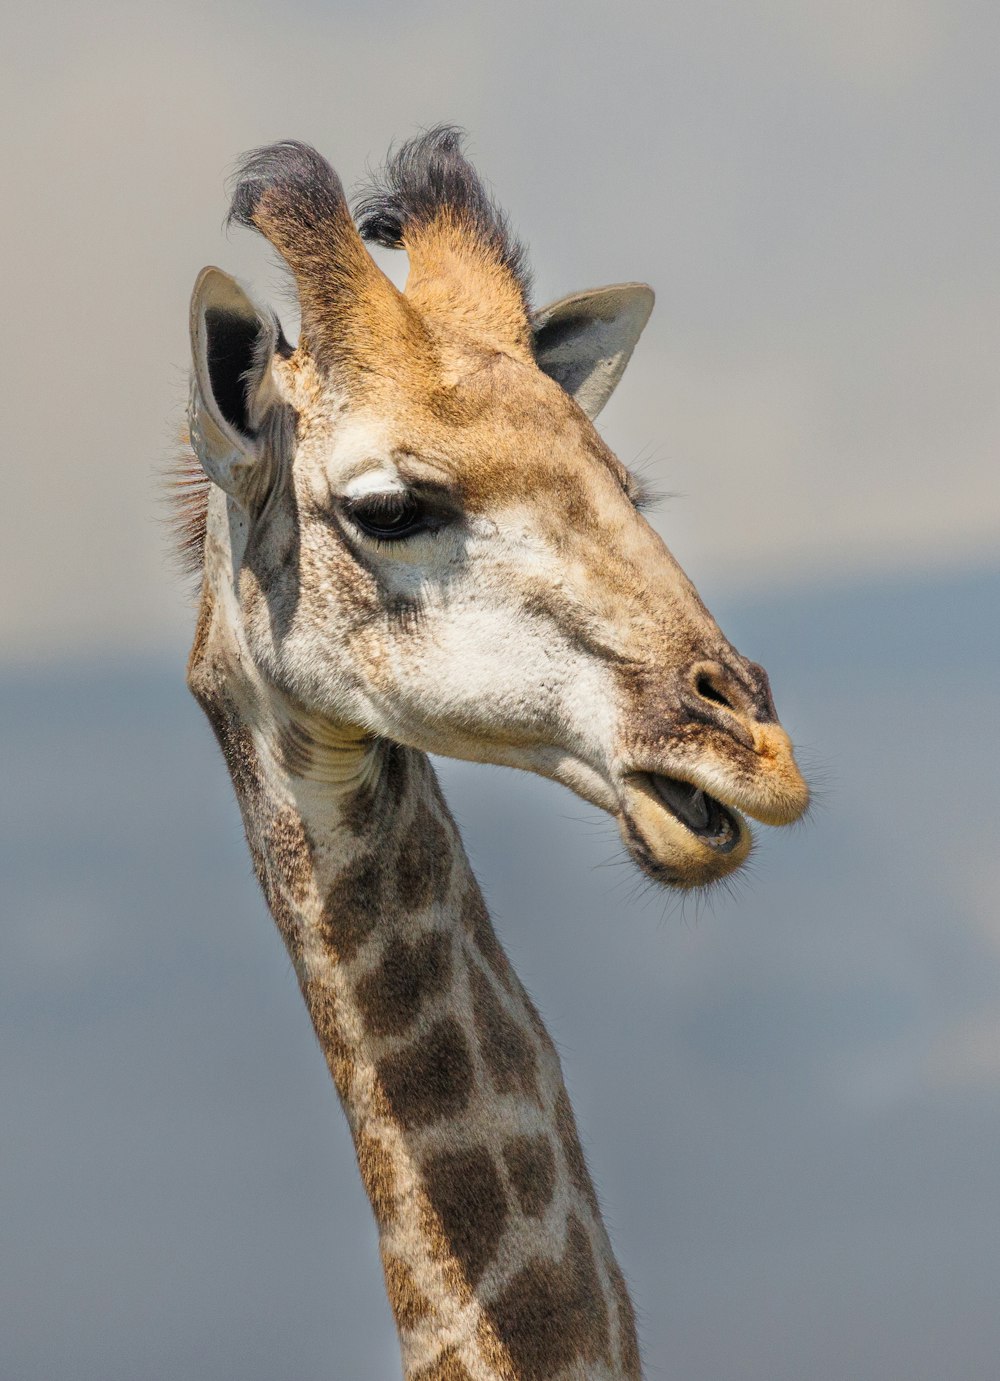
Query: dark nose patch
[734, 685]
[761, 693]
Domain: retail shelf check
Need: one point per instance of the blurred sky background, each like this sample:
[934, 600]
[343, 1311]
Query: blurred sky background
[790, 1097]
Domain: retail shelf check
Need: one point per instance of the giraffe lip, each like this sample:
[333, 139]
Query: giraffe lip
[704, 816]
[677, 832]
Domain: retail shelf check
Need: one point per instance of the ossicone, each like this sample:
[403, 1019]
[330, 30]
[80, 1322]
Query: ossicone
[351, 313]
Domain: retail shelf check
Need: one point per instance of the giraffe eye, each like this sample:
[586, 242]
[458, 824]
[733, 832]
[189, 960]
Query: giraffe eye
[389, 517]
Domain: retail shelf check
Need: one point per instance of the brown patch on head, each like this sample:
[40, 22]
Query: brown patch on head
[378, 1175]
[423, 868]
[476, 920]
[467, 1194]
[446, 1368]
[531, 1165]
[353, 906]
[628, 1343]
[504, 1048]
[409, 1304]
[553, 1314]
[430, 1079]
[570, 1141]
[408, 975]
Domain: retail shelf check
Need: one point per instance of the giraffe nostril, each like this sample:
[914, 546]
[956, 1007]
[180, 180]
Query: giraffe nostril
[708, 690]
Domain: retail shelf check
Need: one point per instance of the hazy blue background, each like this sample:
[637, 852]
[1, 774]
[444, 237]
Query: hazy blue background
[790, 1097]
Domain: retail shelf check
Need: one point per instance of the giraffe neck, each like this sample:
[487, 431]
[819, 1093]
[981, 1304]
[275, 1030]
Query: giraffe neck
[496, 1261]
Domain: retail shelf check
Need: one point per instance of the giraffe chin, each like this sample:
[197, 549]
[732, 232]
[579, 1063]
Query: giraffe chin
[679, 836]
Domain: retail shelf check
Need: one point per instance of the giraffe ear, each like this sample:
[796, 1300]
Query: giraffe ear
[232, 345]
[585, 341]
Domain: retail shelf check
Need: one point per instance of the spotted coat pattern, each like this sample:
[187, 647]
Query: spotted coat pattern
[532, 618]
[497, 1264]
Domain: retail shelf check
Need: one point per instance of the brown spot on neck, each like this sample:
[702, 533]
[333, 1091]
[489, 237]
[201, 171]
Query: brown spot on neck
[423, 867]
[553, 1314]
[467, 1194]
[409, 975]
[504, 1048]
[378, 1175]
[289, 852]
[531, 1166]
[430, 1079]
[327, 1023]
[409, 1304]
[354, 905]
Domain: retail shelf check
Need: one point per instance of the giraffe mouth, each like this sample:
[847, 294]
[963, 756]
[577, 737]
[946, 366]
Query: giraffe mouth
[678, 833]
[706, 818]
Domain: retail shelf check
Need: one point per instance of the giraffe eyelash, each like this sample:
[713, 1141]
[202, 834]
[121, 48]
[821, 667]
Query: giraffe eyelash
[393, 515]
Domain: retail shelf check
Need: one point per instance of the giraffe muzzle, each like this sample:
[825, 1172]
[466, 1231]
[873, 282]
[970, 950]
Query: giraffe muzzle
[683, 818]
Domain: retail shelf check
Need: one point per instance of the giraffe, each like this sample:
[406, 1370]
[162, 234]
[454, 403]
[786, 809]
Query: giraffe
[411, 539]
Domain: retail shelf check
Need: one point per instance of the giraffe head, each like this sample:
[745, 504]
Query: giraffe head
[422, 537]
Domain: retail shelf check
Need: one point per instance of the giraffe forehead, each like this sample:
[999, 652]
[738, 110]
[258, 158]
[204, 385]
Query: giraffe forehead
[505, 434]
[560, 472]
[529, 441]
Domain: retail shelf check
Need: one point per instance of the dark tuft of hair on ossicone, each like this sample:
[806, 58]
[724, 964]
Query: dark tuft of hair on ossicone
[292, 174]
[430, 176]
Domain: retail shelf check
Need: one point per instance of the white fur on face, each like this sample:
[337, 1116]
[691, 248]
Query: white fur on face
[356, 445]
[460, 641]
[476, 672]
[380, 479]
